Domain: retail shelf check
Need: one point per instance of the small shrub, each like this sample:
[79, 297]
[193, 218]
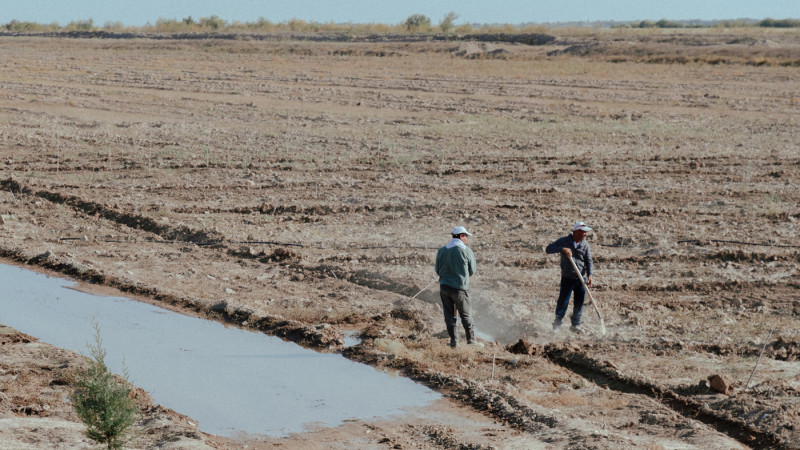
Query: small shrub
[214, 22]
[261, 24]
[81, 25]
[169, 26]
[16, 25]
[103, 401]
[298, 25]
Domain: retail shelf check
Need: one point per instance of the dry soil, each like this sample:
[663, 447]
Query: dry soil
[302, 187]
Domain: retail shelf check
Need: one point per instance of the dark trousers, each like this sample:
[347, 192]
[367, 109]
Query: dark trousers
[456, 299]
[568, 286]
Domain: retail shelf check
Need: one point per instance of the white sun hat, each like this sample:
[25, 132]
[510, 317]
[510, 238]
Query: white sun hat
[460, 230]
[581, 226]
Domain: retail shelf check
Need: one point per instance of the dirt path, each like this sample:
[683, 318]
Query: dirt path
[302, 188]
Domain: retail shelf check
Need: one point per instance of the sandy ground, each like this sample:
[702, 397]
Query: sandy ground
[302, 188]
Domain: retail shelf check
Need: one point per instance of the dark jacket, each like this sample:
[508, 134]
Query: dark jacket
[582, 256]
[455, 265]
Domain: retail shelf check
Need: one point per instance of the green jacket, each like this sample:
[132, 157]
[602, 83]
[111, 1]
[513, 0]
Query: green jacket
[455, 263]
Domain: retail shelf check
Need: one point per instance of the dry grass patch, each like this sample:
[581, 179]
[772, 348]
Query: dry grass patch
[593, 398]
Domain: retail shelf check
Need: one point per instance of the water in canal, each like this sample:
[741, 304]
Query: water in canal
[229, 380]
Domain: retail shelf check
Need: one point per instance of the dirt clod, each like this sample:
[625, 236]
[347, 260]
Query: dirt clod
[720, 384]
[522, 347]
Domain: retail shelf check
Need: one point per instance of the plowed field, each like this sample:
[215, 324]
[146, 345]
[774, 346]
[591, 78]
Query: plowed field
[302, 187]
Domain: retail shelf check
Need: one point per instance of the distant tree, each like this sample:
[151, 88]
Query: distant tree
[784, 23]
[417, 22]
[730, 24]
[447, 23]
[664, 23]
[188, 21]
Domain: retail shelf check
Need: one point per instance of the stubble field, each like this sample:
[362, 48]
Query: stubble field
[302, 187]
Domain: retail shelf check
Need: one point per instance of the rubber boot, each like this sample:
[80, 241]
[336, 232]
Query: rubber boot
[470, 330]
[451, 331]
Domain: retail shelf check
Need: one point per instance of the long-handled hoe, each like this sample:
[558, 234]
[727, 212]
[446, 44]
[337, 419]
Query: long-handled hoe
[423, 289]
[594, 303]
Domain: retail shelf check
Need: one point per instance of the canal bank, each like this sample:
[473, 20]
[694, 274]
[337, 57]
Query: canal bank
[232, 381]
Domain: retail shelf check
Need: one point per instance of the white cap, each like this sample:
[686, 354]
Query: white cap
[580, 226]
[460, 230]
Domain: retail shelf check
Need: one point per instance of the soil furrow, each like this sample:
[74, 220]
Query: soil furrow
[602, 374]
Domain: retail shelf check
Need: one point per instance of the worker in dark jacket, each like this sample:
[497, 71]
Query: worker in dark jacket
[576, 247]
[455, 263]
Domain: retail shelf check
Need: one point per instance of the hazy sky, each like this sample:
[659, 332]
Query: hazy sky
[140, 12]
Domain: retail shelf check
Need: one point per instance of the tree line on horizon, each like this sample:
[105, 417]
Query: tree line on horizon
[415, 23]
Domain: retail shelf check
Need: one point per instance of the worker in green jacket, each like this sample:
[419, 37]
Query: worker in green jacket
[455, 263]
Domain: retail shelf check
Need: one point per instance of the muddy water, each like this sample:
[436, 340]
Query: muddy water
[232, 381]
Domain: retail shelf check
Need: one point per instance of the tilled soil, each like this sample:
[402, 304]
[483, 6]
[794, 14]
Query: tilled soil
[302, 188]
